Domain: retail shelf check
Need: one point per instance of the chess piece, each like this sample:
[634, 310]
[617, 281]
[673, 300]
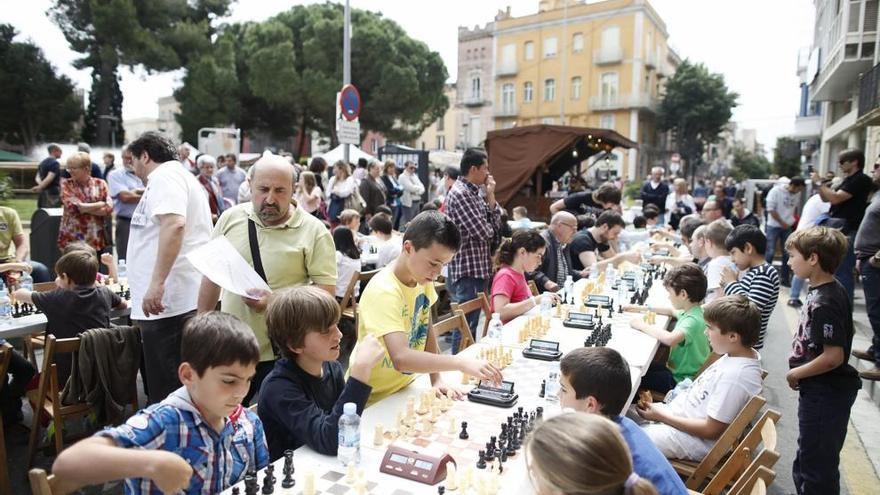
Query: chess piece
[441, 490]
[269, 480]
[435, 413]
[481, 462]
[451, 478]
[451, 429]
[250, 484]
[235, 490]
[378, 433]
[464, 433]
[543, 387]
[309, 483]
[288, 481]
[465, 379]
[539, 412]
[410, 406]
[427, 427]
[350, 472]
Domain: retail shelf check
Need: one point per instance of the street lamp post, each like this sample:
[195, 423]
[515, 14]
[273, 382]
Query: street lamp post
[113, 119]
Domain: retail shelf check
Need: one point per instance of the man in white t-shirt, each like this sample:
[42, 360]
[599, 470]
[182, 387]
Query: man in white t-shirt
[714, 235]
[171, 220]
[782, 205]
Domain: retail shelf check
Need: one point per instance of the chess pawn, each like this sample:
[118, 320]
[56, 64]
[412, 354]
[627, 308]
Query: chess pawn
[309, 483]
[350, 472]
[427, 427]
[451, 478]
[465, 379]
[450, 429]
[378, 435]
[435, 413]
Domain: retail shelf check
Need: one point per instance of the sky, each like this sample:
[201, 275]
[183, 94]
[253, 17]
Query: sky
[753, 43]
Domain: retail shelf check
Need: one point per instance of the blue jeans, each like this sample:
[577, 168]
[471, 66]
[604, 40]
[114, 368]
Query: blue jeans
[823, 414]
[797, 285]
[871, 286]
[39, 272]
[462, 290]
[844, 273]
[780, 234]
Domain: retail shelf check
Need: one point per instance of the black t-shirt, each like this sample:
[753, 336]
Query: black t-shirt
[826, 320]
[50, 164]
[853, 209]
[584, 241]
[582, 203]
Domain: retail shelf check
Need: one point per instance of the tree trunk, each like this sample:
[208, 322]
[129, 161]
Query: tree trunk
[303, 135]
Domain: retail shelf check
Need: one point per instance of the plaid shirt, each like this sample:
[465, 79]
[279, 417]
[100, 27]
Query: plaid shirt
[479, 226]
[219, 460]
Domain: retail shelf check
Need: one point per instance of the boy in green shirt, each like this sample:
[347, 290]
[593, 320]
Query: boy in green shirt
[686, 286]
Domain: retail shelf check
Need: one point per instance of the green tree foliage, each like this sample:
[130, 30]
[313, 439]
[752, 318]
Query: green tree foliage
[38, 105]
[787, 157]
[748, 165]
[696, 107]
[282, 76]
[160, 35]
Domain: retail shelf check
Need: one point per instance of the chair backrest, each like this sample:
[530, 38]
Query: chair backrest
[763, 431]
[708, 362]
[760, 468]
[455, 322]
[347, 299]
[481, 302]
[533, 287]
[725, 442]
[42, 483]
[365, 277]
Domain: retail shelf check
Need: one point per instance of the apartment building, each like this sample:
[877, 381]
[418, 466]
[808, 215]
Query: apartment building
[475, 86]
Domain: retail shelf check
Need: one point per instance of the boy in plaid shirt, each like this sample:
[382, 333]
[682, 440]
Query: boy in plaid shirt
[199, 439]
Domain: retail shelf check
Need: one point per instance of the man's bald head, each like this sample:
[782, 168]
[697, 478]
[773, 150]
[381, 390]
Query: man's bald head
[563, 226]
[563, 216]
[272, 187]
[271, 164]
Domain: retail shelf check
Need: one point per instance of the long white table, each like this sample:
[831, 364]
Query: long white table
[35, 323]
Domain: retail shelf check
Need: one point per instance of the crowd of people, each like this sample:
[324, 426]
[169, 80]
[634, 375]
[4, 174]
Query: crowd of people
[280, 349]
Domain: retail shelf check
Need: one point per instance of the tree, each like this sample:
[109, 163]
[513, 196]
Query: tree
[696, 107]
[38, 105]
[787, 157]
[748, 165]
[161, 36]
[288, 69]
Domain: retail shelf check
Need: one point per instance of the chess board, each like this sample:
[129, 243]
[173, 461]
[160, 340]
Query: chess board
[328, 481]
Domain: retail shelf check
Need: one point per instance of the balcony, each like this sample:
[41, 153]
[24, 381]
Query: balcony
[839, 75]
[651, 59]
[506, 69]
[607, 55]
[809, 127]
[506, 110]
[621, 102]
[869, 97]
[473, 101]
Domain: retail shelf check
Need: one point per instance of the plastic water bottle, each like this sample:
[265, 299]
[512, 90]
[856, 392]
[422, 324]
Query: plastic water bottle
[546, 305]
[121, 272]
[494, 333]
[610, 274]
[551, 386]
[569, 290]
[5, 306]
[26, 281]
[349, 435]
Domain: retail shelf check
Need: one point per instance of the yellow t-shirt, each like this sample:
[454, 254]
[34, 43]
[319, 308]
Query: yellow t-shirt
[10, 226]
[387, 306]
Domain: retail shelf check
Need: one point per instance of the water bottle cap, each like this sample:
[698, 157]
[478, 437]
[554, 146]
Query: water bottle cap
[349, 408]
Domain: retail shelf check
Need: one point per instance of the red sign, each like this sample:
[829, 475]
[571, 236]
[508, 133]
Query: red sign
[350, 102]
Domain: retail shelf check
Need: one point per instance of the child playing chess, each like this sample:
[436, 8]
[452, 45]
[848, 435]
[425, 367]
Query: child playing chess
[597, 380]
[199, 439]
[689, 425]
[301, 399]
[516, 256]
[582, 453]
[395, 307]
[686, 286]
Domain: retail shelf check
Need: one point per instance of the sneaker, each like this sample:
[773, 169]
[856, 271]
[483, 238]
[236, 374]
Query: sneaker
[863, 355]
[795, 303]
[871, 374]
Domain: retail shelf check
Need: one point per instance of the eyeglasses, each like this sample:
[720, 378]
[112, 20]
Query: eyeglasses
[572, 227]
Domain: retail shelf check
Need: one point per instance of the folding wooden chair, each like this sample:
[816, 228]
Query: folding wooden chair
[481, 302]
[47, 399]
[695, 473]
[757, 483]
[759, 469]
[533, 287]
[455, 322]
[347, 304]
[42, 483]
[5, 357]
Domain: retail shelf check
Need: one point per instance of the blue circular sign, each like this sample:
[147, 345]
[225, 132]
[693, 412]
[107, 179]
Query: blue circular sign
[350, 102]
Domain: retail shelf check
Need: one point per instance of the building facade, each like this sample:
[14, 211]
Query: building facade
[600, 64]
[475, 86]
[441, 134]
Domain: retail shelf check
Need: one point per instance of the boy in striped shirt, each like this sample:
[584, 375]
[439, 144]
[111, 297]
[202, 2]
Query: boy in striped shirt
[199, 439]
[760, 282]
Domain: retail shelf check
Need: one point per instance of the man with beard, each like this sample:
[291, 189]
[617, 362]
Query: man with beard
[286, 246]
[126, 189]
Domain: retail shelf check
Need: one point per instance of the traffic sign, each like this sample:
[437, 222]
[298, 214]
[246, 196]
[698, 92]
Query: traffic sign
[348, 132]
[350, 102]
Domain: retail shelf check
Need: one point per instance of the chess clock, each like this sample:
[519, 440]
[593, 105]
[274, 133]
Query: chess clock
[598, 301]
[414, 465]
[545, 350]
[579, 320]
[501, 396]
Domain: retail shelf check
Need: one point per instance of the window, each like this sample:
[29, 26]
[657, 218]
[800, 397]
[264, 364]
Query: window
[577, 42]
[529, 49]
[606, 121]
[611, 37]
[549, 89]
[475, 87]
[550, 47]
[374, 145]
[548, 121]
[440, 124]
[508, 55]
[608, 87]
[441, 142]
[576, 88]
[508, 98]
[528, 91]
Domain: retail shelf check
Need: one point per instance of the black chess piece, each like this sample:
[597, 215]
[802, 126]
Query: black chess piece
[543, 386]
[464, 433]
[503, 435]
[288, 461]
[493, 440]
[268, 481]
[503, 455]
[539, 412]
[441, 490]
[250, 484]
[481, 462]
[610, 312]
[235, 490]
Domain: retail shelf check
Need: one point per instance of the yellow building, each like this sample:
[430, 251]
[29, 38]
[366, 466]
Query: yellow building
[600, 64]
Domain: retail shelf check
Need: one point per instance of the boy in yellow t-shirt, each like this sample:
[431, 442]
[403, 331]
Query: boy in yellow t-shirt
[395, 307]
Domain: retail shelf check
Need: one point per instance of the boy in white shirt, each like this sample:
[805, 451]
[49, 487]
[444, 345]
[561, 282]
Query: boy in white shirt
[689, 425]
[714, 236]
[388, 244]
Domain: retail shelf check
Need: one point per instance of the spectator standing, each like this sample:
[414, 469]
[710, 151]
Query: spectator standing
[782, 206]
[413, 189]
[244, 190]
[742, 215]
[317, 166]
[207, 165]
[722, 199]
[449, 178]
[86, 202]
[814, 208]
[308, 195]
[171, 220]
[230, 178]
[94, 168]
[109, 163]
[848, 202]
[339, 188]
[393, 190]
[126, 189]
[711, 211]
[186, 161]
[679, 203]
[49, 184]
[372, 190]
[589, 202]
[478, 218]
[14, 245]
[867, 249]
[654, 192]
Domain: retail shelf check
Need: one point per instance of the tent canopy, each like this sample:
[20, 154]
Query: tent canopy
[9, 156]
[338, 153]
[517, 154]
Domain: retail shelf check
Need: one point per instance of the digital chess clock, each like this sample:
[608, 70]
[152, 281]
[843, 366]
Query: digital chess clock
[598, 301]
[414, 465]
[545, 350]
[579, 320]
[501, 396]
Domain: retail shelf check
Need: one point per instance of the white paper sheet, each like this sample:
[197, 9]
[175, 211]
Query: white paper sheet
[224, 266]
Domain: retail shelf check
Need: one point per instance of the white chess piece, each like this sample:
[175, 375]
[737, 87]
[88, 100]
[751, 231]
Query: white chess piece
[451, 478]
[350, 473]
[378, 435]
[450, 430]
[309, 483]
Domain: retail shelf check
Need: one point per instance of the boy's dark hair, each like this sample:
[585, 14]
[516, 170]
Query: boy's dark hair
[294, 312]
[158, 147]
[797, 181]
[610, 218]
[453, 172]
[746, 234]
[81, 267]
[79, 246]
[717, 232]
[851, 154]
[343, 238]
[383, 209]
[381, 223]
[585, 221]
[650, 212]
[640, 222]
[829, 245]
[429, 227]
[688, 225]
[689, 278]
[217, 339]
[430, 206]
[601, 372]
[608, 193]
[735, 314]
[473, 157]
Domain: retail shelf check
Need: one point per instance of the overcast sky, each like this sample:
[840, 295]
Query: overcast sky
[753, 43]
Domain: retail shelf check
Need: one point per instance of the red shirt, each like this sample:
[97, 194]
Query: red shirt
[511, 283]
